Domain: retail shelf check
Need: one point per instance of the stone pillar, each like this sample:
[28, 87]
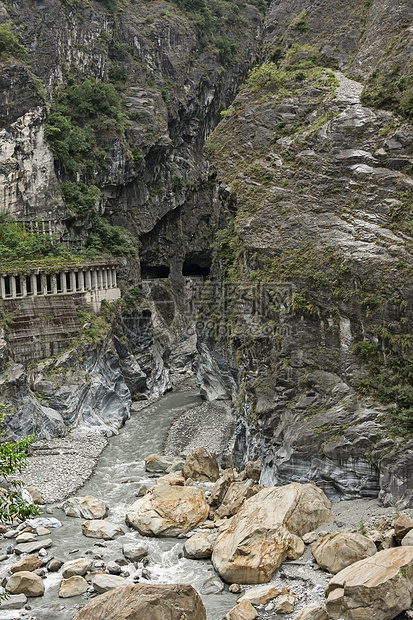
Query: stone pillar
[88, 279]
[54, 283]
[109, 276]
[33, 280]
[2, 288]
[81, 277]
[13, 286]
[98, 279]
[104, 280]
[23, 286]
[44, 283]
[64, 282]
[72, 281]
[115, 278]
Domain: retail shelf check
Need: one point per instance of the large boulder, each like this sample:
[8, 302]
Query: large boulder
[79, 566]
[201, 465]
[220, 488]
[27, 563]
[197, 547]
[99, 528]
[379, 587]
[146, 602]
[337, 551]
[135, 552]
[260, 595]
[103, 583]
[87, 507]
[73, 586]
[33, 547]
[402, 526]
[263, 533]
[235, 496]
[168, 511]
[25, 582]
[243, 611]
[158, 464]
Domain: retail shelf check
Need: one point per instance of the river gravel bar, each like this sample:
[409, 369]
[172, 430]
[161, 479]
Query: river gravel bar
[60, 466]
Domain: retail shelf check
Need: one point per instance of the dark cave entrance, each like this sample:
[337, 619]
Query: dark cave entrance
[154, 272]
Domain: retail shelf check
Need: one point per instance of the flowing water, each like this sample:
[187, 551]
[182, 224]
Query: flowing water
[121, 460]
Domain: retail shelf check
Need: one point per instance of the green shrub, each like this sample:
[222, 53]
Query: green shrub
[77, 119]
[112, 239]
[13, 461]
[79, 197]
[227, 48]
[301, 25]
[17, 244]
[9, 44]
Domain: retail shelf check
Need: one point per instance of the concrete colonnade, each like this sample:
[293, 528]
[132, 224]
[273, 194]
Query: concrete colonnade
[80, 280]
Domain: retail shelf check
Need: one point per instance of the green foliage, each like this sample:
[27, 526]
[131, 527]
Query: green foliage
[301, 25]
[390, 94]
[17, 244]
[115, 240]
[117, 73]
[366, 350]
[79, 197]
[12, 461]
[95, 327]
[78, 117]
[137, 156]
[227, 48]
[225, 250]
[9, 44]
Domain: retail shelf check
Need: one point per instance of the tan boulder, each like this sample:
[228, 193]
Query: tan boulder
[220, 488]
[235, 496]
[25, 582]
[313, 611]
[407, 540]
[201, 465]
[42, 531]
[146, 602]
[253, 470]
[337, 551]
[103, 583]
[27, 563]
[260, 595]
[73, 586]
[158, 464]
[25, 537]
[285, 604]
[168, 511]
[79, 566]
[197, 547]
[259, 537]
[243, 611]
[87, 507]
[402, 525]
[379, 587]
[35, 495]
[99, 528]
[173, 478]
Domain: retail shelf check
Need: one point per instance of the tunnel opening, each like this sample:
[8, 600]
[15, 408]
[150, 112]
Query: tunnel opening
[154, 272]
[193, 269]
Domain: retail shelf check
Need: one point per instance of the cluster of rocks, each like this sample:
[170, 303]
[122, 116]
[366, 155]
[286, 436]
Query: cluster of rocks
[247, 530]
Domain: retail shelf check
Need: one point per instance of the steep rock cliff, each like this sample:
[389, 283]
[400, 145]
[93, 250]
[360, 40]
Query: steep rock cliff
[318, 242]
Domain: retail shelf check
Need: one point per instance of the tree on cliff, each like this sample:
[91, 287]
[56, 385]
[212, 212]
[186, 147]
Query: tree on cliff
[12, 461]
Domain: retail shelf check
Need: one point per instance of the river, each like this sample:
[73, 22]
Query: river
[144, 433]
